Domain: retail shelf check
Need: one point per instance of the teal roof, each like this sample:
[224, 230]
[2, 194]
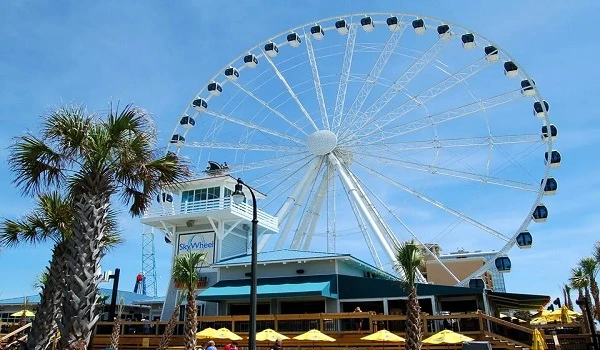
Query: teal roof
[280, 255]
[129, 298]
[270, 288]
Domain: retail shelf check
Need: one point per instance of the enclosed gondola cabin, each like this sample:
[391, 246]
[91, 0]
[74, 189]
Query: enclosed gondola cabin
[271, 49]
[199, 105]
[342, 26]
[317, 32]
[491, 53]
[554, 158]
[528, 87]
[510, 69]
[250, 60]
[538, 110]
[444, 31]
[468, 41]
[552, 134]
[164, 197]
[540, 213]
[419, 26]
[550, 187]
[503, 264]
[215, 88]
[294, 39]
[392, 23]
[367, 24]
[477, 283]
[187, 122]
[232, 74]
[178, 140]
[524, 240]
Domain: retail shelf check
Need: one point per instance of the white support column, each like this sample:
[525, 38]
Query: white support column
[312, 217]
[297, 203]
[361, 206]
[312, 168]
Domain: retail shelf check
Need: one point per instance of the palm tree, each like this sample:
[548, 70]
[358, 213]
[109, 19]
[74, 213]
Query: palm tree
[92, 160]
[568, 301]
[580, 282]
[408, 261]
[170, 327]
[50, 220]
[590, 267]
[185, 273]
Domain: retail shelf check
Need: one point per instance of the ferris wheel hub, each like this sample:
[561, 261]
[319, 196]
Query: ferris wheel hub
[321, 142]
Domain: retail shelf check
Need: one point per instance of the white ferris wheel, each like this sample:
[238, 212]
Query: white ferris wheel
[369, 130]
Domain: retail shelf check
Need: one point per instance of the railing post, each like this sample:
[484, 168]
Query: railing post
[424, 321]
[321, 324]
[479, 315]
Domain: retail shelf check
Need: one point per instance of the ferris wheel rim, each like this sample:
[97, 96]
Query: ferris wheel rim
[259, 53]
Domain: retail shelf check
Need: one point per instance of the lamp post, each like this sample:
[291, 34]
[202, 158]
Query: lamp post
[113, 298]
[238, 196]
[585, 307]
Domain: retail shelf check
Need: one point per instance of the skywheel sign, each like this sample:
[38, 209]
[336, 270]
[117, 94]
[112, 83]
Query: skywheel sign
[203, 242]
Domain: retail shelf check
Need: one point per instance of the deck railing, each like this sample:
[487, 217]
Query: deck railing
[348, 328]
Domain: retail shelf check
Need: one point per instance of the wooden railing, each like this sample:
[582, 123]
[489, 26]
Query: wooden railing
[348, 328]
[16, 336]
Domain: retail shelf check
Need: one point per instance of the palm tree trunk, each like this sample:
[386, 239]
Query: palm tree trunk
[166, 337]
[569, 301]
[413, 321]
[84, 251]
[596, 295]
[116, 333]
[43, 327]
[586, 325]
[191, 321]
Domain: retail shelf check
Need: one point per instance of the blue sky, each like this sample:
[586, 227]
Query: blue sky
[158, 54]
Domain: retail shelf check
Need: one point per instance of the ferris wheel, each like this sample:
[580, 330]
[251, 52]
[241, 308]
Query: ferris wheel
[365, 131]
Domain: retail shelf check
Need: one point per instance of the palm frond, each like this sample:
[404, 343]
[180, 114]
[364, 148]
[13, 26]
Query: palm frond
[578, 278]
[408, 261]
[185, 268]
[589, 267]
[36, 164]
[68, 127]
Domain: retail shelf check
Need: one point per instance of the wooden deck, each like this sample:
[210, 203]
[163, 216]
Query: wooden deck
[343, 327]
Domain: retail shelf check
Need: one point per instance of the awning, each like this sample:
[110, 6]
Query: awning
[223, 291]
[516, 301]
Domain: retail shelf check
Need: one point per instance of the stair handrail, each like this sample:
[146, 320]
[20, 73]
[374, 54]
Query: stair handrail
[15, 332]
[506, 323]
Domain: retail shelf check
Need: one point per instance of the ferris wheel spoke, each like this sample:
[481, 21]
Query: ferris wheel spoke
[375, 72]
[290, 91]
[265, 163]
[449, 143]
[246, 146]
[317, 82]
[410, 231]
[384, 134]
[401, 83]
[344, 77]
[284, 171]
[463, 175]
[437, 204]
[373, 125]
[266, 105]
[253, 126]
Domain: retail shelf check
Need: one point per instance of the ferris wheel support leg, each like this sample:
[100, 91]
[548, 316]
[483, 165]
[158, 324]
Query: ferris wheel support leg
[312, 168]
[313, 223]
[294, 206]
[355, 196]
[302, 233]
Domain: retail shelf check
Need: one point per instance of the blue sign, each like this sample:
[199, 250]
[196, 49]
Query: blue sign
[197, 242]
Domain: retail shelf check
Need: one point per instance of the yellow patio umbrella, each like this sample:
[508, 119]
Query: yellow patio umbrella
[206, 333]
[538, 342]
[28, 313]
[564, 315]
[447, 337]
[270, 335]
[224, 333]
[384, 335]
[314, 335]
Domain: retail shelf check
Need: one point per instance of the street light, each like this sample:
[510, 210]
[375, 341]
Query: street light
[585, 307]
[238, 197]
